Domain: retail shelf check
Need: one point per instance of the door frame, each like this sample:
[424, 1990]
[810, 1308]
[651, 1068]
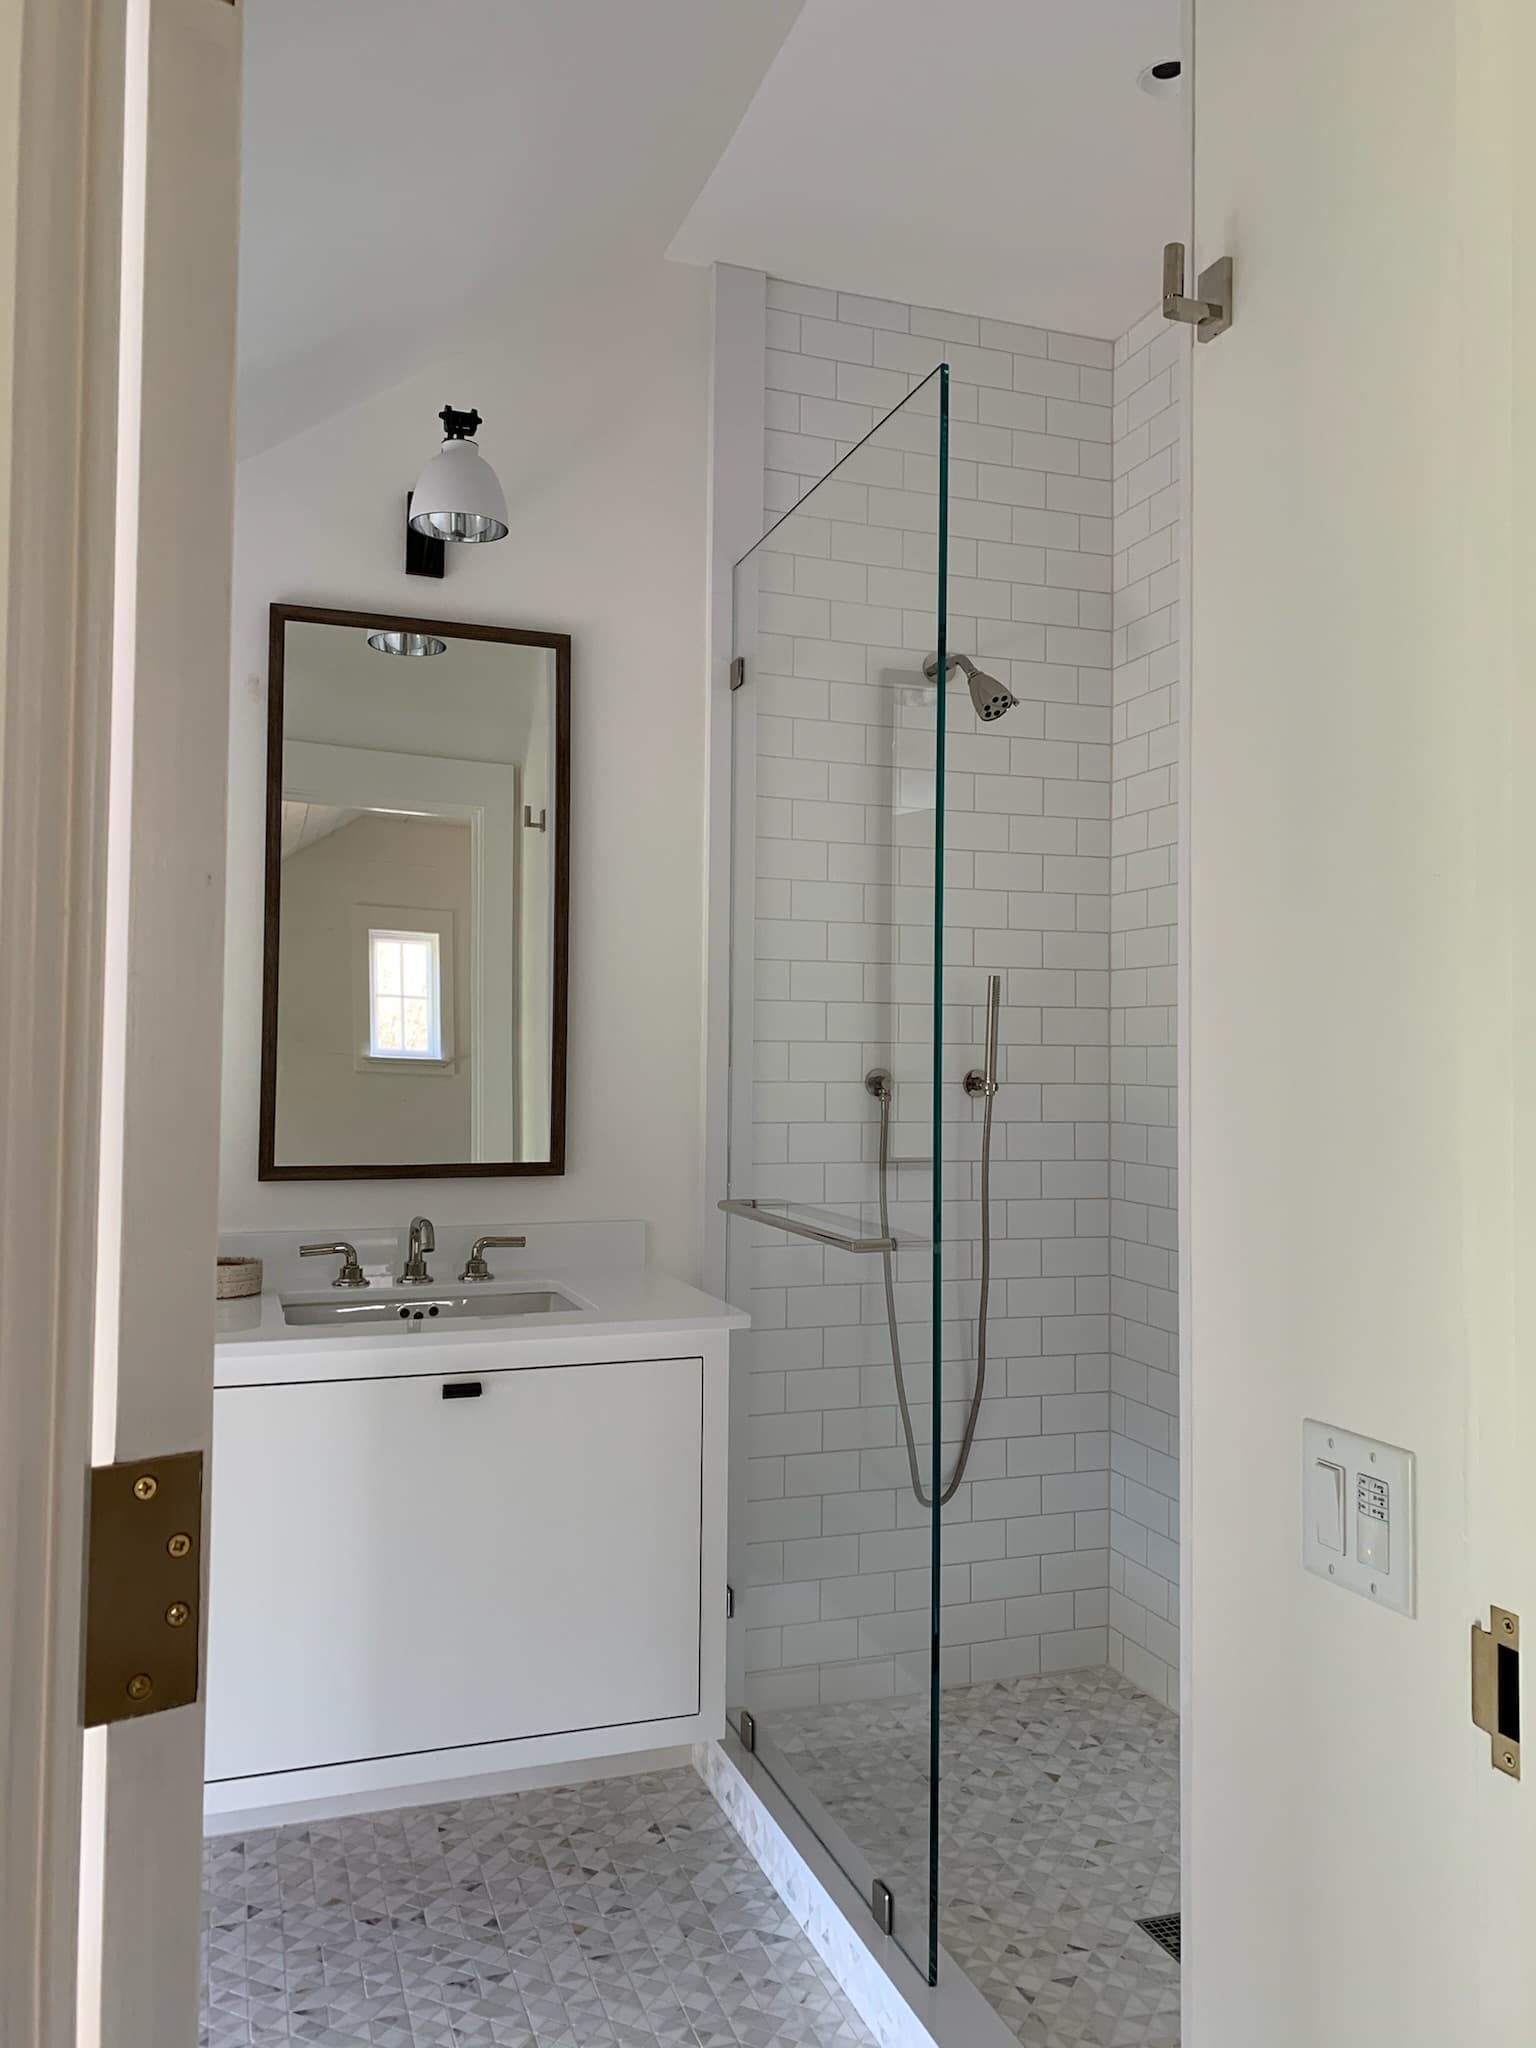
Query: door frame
[117, 347]
[60, 200]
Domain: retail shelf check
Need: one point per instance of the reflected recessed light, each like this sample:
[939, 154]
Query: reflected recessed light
[1162, 80]
[407, 643]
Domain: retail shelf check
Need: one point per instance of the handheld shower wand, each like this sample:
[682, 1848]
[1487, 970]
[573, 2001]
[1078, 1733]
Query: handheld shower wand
[980, 1081]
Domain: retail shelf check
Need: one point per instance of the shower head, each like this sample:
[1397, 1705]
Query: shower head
[990, 697]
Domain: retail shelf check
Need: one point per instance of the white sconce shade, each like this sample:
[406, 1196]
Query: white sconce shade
[458, 496]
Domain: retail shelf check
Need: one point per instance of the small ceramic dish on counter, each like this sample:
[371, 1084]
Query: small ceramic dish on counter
[238, 1278]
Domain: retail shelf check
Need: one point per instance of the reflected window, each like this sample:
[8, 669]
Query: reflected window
[405, 1000]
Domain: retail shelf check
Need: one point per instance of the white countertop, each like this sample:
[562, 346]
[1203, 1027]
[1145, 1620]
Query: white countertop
[254, 1344]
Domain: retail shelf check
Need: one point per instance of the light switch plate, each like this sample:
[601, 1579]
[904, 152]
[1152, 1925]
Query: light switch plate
[1378, 1515]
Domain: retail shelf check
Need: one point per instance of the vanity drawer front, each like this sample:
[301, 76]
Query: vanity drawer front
[400, 1565]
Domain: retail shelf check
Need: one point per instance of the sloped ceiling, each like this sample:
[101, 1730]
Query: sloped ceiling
[305, 824]
[984, 156]
[412, 169]
[416, 174]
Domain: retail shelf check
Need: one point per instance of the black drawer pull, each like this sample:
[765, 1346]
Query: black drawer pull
[461, 1390]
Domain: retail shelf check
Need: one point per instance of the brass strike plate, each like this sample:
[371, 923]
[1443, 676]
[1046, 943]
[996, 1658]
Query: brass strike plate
[144, 1570]
[1496, 1686]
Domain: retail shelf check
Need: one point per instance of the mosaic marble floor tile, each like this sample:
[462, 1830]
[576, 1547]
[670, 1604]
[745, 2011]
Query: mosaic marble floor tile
[625, 1914]
[1059, 1829]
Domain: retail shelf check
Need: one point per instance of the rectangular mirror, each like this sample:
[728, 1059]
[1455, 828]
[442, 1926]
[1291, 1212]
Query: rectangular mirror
[418, 869]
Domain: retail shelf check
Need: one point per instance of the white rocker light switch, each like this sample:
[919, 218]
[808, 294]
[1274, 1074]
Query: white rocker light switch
[1357, 1515]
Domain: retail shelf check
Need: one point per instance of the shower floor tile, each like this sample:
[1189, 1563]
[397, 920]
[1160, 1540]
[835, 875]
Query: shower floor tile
[1059, 1829]
[615, 1915]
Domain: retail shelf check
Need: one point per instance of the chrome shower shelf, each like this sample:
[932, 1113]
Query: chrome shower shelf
[844, 1231]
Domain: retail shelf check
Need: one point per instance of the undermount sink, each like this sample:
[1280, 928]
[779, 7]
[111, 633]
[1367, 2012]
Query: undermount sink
[396, 1314]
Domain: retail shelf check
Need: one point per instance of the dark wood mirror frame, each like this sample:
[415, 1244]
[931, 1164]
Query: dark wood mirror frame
[456, 629]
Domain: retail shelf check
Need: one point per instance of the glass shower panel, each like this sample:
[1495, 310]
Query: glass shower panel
[834, 1179]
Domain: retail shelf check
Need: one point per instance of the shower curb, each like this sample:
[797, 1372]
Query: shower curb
[889, 1994]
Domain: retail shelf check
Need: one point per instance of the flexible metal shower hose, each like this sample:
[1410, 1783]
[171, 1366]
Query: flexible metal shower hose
[887, 1258]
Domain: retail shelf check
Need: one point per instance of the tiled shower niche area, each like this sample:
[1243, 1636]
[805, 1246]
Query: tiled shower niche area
[1051, 844]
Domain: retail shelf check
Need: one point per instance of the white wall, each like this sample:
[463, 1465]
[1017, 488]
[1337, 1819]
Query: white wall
[1150, 366]
[1359, 1004]
[597, 428]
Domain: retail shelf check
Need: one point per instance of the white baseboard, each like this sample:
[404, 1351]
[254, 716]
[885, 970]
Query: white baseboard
[442, 1791]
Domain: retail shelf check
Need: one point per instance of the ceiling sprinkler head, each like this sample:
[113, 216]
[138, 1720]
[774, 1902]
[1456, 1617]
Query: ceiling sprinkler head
[1161, 80]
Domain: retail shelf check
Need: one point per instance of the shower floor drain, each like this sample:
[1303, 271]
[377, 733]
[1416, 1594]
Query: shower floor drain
[1164, 1930]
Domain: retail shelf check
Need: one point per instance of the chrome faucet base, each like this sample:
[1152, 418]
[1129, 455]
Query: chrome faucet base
[351, 1274]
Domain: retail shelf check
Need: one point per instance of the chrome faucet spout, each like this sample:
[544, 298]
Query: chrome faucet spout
[421, 1240]
[476, 1268]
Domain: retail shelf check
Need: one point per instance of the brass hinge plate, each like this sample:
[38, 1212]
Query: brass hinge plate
[144, 1553]
[1496, 1687]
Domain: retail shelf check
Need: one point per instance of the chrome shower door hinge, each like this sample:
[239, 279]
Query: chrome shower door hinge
[1211, 313]
[882, 1904]
[738, 671]
[746, 1728]
[1496, 1687]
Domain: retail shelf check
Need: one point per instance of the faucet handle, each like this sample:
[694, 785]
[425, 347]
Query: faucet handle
[477, 1269]
[351, 1274]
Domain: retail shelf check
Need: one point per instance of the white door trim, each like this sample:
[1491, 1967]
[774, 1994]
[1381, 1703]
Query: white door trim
[1188, 1706]
[119, 202]
[61, 71]
[157, 1217]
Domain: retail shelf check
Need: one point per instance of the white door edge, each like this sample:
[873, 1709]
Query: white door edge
[118, 230]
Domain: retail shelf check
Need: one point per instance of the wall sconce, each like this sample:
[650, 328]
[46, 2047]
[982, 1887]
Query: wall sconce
[458, 497]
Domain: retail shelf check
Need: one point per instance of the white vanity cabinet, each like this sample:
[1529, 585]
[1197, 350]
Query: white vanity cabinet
[420, 1573]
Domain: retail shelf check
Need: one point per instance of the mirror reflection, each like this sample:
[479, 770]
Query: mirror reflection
[416, 902]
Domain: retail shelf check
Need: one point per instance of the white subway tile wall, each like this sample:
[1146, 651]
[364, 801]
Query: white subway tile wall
[845, 597]
[1150, 368]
